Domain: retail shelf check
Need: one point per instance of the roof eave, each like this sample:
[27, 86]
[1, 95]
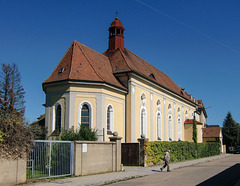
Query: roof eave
[73, 81]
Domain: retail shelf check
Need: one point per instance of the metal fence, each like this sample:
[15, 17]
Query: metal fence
[50, 159]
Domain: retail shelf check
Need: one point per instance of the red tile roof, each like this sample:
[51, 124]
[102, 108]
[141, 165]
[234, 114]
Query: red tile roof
[211, 132]
[81, 63]
[84, 64]
[190, 121]
[126, 61]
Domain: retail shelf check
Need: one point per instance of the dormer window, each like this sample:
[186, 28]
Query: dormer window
[152, 76]
[61, 70]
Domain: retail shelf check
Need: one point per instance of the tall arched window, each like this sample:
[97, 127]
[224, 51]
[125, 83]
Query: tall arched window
[110, 120]
[143, 116]
[159, 126]
[85, 116]
[170, 122]
[143, 122]
[170, 127]
[58, 119]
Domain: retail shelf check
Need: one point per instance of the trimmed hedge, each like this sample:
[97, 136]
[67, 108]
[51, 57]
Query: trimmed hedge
[180, 150]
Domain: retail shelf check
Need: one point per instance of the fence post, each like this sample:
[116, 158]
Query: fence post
[118, 151]
[142, 158]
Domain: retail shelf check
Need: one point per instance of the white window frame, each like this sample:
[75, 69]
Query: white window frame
[54, 110]
[80, 112]
[111, 118]
[159, 125]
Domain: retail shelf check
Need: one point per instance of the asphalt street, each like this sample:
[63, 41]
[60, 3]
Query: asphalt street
[224, 171]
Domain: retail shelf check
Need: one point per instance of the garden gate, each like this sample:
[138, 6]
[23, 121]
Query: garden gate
[131, 154]
[50, 159]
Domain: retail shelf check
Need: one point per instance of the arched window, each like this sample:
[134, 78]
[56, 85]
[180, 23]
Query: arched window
[159, 126]
[85, 116]
[179, 128]
[143, 122]
[110, 120]
[170, 127]
[170, 122]
[58, 119]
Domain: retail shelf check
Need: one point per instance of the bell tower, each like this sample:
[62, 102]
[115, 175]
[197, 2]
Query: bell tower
[116, 35]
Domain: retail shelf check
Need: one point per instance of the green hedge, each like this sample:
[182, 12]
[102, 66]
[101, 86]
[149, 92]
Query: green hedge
[180, 150]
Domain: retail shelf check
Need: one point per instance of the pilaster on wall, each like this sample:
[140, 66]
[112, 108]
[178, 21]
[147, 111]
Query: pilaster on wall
[151, 115]
[100, 115]
[69, 109]
[132, 113]
[174, 124]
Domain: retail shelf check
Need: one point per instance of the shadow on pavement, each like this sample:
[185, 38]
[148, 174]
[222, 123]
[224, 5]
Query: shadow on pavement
[156, 170]
[227, 177]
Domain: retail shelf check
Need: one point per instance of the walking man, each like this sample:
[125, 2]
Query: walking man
[166, 160]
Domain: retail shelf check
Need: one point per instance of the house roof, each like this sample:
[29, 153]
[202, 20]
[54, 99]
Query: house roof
[190, 121]
[127, 61]
[211, 132]
[84, 64]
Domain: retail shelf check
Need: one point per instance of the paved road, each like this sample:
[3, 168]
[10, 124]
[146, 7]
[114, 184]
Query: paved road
[224, 171]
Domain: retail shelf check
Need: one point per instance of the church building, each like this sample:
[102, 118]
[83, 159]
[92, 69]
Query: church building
[117, 91]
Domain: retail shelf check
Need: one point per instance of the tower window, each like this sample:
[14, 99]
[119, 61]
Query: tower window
[118, 32]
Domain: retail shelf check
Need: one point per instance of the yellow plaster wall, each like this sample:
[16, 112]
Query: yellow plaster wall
[119, 120]
[188, 130]
[145, 88]
[199, 134]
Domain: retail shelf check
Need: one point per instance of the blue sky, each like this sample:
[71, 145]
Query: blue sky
[196, 43]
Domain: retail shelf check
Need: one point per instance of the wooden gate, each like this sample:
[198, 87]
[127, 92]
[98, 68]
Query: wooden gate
[131, 154]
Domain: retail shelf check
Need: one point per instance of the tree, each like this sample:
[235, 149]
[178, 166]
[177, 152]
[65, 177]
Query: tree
[11, 91]
[194, 131]
[15, 137]
[231, 131]
[38, 128]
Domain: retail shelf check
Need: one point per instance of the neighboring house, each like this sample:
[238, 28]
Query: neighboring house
[213, 133]
[200, 117]
[115, 91]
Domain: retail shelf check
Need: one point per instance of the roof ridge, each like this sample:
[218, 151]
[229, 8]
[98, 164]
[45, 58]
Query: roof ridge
[125, 59]
[90, 63]
[73, 43]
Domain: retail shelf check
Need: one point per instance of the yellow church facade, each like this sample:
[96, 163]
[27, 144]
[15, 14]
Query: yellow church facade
[117, 91]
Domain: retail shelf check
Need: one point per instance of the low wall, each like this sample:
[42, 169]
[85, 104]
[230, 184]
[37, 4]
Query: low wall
[96, 157]
[12, 171]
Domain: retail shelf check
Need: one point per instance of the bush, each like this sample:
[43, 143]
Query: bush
[180, 150]
[84, 134]
[16, 138]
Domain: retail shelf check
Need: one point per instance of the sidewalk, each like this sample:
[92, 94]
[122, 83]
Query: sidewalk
[128, 173]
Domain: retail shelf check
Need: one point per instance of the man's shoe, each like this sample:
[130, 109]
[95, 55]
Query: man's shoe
[169, 171]
[161, 169]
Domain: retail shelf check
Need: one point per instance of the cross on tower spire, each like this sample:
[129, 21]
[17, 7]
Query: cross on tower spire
[116, 13]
